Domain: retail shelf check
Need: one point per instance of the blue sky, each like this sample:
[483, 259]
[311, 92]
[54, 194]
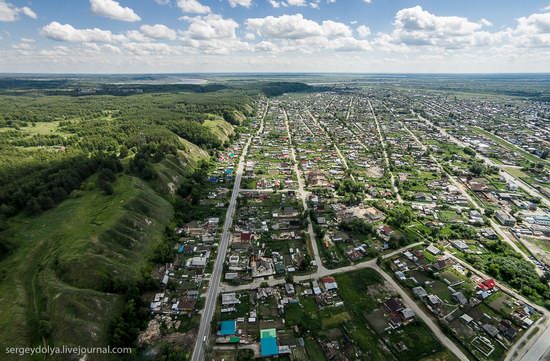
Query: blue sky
[274, 35]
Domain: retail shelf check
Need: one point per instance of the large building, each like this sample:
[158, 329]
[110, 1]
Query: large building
[505, 219]
[269, 345]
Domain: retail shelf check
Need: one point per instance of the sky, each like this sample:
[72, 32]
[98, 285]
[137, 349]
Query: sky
[370, 36]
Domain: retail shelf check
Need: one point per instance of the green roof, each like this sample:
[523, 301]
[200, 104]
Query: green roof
[268, 333]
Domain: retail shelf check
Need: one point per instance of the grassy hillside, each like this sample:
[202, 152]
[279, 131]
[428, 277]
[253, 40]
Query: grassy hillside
[171, 168]
[77, 234]
[53, 282]
[220, 128]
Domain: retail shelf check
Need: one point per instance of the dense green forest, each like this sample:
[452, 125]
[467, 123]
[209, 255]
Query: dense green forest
[85, 208]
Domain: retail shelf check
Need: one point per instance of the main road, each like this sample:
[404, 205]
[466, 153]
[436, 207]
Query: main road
[527, 188]
[385, 153]
[215, 278]
[303, 195]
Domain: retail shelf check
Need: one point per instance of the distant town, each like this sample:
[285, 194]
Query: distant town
[359, 223]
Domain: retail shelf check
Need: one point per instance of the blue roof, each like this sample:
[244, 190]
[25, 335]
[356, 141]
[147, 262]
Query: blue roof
[180, 250]
[229, 328]
[269, 347]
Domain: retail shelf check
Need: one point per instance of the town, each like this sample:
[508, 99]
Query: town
[369, 223]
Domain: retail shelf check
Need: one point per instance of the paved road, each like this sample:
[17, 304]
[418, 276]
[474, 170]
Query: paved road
[386, 158]
[316, 275]
[303, 196]
[542, 343]
[535, 348]
[423, 315]
[460, 186]
[368, 264]
[507, 176]
[342, 158]
[215, 278]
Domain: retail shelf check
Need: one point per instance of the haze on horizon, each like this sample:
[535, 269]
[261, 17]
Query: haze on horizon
[355, 36]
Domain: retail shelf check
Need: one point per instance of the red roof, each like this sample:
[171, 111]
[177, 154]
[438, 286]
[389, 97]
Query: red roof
[490, 283]
[482, 287]
[387, 230]
[328, 279]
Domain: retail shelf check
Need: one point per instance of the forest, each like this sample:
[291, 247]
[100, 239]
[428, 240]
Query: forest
[78, 177]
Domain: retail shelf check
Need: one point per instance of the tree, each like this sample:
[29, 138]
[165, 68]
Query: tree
[106, 187]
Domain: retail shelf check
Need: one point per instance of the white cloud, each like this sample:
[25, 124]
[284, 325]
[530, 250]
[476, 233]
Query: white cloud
[66, 32]
[158, 31]
[275, 4]
[535, 23]
[296, 2]
[9, 12]
[210, 27]
[193, 7]
[363, 31]
[289, 33]
[245, 3]
[113, 10]
[162, 2]
[212, 34]
[28, 11]
[295, 27]
[368, 1]
[137, 36]
[335, 29]
[531, 31]
[415, 26]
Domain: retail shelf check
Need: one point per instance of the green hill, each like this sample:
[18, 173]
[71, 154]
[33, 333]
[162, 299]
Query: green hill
[53, 283]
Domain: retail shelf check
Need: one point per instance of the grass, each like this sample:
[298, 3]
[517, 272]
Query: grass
[63, 255]
[40, 128]
[508, 145]
[448, 216]
[418, 339]
[314, 350]
[444, 355]
[336, 319]
[220, 128]
[171, 168]
[353, 287]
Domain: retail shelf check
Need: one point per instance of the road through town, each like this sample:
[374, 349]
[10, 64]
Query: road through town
[215, 278]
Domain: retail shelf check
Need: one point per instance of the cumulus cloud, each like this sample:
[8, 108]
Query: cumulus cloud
[210, 27]
[296, 2]
[296, 33]
[416, 26]
[535, 23]
[9, 12]
[193, 7]
[213, 34]
[66, 32]
[137, 36]
[363, 31]
[531, 31]
[158, 31]
[113, 10]
[277, 4]
[245, 3]
[295, 27]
